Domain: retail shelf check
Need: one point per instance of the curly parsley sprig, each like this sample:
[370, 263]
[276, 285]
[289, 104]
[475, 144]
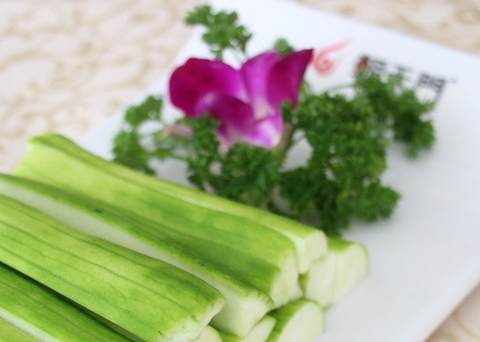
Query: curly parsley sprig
[222, 30]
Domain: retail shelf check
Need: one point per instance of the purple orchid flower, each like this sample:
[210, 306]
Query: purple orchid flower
[246, 101]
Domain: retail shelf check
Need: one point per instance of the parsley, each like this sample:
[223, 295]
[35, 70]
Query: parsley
[128, 144]
[348, 141]
[400, 105]
[222, 30]
[283, 46]
[348, 131]
[203, 152]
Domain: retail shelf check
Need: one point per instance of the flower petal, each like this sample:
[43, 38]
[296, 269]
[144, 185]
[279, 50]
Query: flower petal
[190, 82]
[238, 123]
[267, 131]
[236, 116]
[255, 73]
[286, 77]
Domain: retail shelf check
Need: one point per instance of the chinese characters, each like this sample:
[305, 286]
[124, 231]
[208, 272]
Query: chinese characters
[430, 85]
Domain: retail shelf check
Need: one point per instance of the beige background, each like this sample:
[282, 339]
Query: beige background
[68, 65]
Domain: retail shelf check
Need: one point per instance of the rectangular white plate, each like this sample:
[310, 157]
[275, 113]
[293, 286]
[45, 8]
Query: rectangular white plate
[426, 258]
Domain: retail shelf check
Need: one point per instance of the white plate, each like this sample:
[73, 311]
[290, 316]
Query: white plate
[426, 258]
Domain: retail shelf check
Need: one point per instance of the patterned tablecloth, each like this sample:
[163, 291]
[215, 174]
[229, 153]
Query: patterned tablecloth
[66, 66]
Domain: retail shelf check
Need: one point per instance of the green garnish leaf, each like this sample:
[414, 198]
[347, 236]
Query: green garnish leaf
[222, 30]
[401, 106]
[150, 109]
[283, 47]
[129, 151]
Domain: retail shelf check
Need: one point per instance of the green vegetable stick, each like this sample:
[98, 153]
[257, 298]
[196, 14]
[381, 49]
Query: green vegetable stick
[310, 243]
[259, 333]
[301, 320]
[245, 305]
[44, 314]
[56, 160]
[333, 276]
[11, 333]
[144, 298]
[208, 334]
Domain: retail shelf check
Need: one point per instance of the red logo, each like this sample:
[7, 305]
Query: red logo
[322, 61]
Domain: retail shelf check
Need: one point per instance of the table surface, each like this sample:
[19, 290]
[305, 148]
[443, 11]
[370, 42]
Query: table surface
[67, 66]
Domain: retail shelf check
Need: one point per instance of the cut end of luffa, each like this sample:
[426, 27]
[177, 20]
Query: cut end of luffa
[300, 320]
[339, 271]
